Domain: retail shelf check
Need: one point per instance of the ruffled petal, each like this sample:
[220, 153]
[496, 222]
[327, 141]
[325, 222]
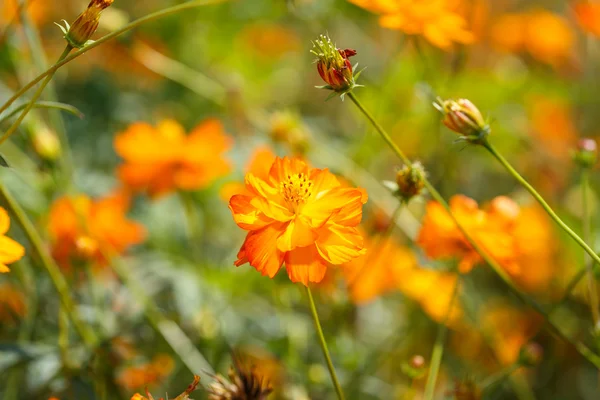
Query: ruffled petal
[245, 215]
[297, 234]
[10, 251]
[343, 205]
[304, 264]
[284, 167]
[259, 251]
[339, 244]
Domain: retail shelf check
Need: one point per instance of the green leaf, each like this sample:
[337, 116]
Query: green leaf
[3, 162]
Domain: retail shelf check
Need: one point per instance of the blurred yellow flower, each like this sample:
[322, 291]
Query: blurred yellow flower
[301, 216]
[11, 250]
[545, 36]
[587, 14]
[438, 21]
[82, 228]
[163, 159]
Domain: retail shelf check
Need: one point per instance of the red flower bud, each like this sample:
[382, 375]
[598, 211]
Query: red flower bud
[464, 118]
[333, 65]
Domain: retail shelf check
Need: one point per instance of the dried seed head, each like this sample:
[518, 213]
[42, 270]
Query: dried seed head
[410, 181]
[244, 384]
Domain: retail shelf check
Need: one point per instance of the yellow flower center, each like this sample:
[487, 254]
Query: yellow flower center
[296, 189]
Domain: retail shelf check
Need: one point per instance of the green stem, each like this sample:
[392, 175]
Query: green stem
[571, 286]
[191, 216]
[540, 200]
[438, 347]
[43, 104]
[36, 95]
[41, 64]
[499, 376]
[586, 219]
[323, 343]
[579, 346]
[134, 24]
[58, 280]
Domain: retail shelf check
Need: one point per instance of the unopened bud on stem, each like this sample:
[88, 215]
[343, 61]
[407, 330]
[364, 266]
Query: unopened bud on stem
[462, 117]
[86, 24]
[586, 154]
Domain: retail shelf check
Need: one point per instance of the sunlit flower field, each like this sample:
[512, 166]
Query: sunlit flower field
[299, 199]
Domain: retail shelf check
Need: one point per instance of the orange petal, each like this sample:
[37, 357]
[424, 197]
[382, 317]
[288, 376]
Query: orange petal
[347, 201]
[4, 221]
[297, 234]
[339, 244]
[284, 167]
[10, 251]
[304, 264]
[4, 269]
[259, 250]
[245, 215]
[322, 180]
[197, 176]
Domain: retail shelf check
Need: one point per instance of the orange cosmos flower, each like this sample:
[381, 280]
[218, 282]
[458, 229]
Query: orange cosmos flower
[587, 14]
[259, 165]
[11, 250]
[37, 10]
[493, 229]
[437, 20]
[163, 159]
[148, 374]
[84, 228]
[546, 36]
[378, 271]
[301, 216]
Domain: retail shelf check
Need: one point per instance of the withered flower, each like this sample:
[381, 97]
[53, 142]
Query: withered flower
[244, 384]
[462, 117]
[410, 181]
[86, 24]
[334, 66]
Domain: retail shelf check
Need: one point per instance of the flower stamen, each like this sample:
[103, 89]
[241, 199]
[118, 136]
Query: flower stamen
[296, 189]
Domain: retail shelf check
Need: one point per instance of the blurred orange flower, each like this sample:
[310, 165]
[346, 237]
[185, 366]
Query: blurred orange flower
[86, 229]
[553, 126]
[270, 40]
[301, 216]
[502, 229]
[11, 250]
[163, 159]
[378, 271]
[546, 36]
[587, 14]
[259, 165]
[37, 10]
[12, 304]
[437, 20]
[183, 396]
[149, 374]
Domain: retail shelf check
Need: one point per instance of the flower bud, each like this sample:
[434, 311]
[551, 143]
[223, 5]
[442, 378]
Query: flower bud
[410, 181]
[86, 24]
[586, 154]
[462, 117]
[334, 65]
[46, 144]
[531, 354]
[415, 368]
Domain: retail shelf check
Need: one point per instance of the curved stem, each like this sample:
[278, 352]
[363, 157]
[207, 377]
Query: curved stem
[323, 343]
[540, 200]
[579, 346]
[43, 104]
[112, 35]
[438, 347]
[58, 280]
[36, 96]
[586, 217]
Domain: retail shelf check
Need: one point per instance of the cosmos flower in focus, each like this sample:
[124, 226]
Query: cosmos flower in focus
[162, 159]
[379, 270]
[438, 21]
[11, 250]
[86, 229]
[546, 36]
[301, 216]
[183, 396]
[500, 229]
[259, 165]
[587, 14]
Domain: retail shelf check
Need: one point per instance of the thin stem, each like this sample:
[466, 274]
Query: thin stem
[36, 95]
[58, 280]
[438, 347]
[499, 376]
[134, 24]
[323, 343]
[191, 216]
[571, 286]
[579, 346]
[586, 219]
[540, 200]
[43, 104]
